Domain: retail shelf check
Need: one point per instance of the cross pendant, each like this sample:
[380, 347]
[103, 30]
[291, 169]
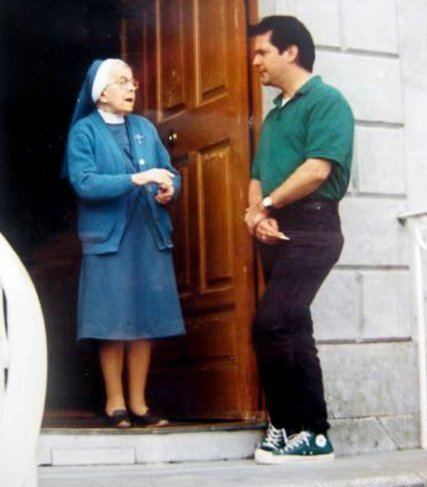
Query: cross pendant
[139, 138]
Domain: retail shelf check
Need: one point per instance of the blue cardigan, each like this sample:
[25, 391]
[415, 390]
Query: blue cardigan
[96, 168]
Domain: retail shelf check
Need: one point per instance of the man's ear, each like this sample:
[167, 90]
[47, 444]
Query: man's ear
[292, 53]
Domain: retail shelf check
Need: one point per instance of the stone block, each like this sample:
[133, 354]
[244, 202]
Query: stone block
[93, 456]
[372, 85]
[63, 449]
[184, 447]
[380, 160]
[94, 440]
[336, 310]
[373, 235]
[387, 305]
[352, 186]
[412, 27]
[129, 448]
[321, 19]
[284, 7]
[370, 25]
[43, 452]
[404, 430]
[423, 227]
[266, 7]
[412, 19]
[370, 379]
[357, 436]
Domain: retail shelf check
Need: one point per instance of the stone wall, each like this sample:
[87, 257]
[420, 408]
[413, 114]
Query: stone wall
[375, 52]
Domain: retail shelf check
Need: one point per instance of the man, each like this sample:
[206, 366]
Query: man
[300, 172]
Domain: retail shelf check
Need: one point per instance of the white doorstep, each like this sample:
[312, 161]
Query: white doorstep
[93, 456]
[89, 448]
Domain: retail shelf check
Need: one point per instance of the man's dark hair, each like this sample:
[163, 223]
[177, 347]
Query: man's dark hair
[287, 31]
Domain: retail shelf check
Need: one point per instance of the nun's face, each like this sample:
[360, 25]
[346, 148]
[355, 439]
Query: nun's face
[119, 96]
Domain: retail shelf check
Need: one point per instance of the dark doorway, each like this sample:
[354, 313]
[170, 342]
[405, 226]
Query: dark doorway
[47, 46]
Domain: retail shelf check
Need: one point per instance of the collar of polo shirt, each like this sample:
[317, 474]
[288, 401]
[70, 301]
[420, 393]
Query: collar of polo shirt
[305, 88]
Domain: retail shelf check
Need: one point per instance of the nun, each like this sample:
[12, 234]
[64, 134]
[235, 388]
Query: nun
[123, 178]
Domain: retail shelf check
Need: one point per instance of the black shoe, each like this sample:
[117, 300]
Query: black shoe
[119, 419]
[147, 419]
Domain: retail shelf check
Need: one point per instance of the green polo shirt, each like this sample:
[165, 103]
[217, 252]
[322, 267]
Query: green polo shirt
[315, 123]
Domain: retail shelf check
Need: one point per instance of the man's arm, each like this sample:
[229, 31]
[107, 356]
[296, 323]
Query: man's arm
[303, 181]
[255, 192]
[256, 212]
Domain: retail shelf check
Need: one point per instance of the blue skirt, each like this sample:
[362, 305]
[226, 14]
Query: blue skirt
[130, 294]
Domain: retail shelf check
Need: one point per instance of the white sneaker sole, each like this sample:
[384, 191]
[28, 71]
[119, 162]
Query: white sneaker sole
[263, 457]
[280, 459]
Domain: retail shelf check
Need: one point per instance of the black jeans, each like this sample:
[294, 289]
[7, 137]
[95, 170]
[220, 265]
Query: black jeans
[283, 329]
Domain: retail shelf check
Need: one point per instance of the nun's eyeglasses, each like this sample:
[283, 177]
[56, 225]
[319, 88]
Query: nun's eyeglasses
[125, 82]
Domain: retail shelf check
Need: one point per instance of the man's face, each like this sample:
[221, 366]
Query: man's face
[119, 96]
[272, 65]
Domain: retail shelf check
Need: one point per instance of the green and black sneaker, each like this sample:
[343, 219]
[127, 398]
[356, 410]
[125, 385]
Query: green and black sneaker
[274, 440]
[304, 447]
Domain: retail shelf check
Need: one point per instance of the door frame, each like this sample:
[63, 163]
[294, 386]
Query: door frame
[255, 123]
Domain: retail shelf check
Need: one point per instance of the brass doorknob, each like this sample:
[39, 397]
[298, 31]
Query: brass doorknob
[172, 138]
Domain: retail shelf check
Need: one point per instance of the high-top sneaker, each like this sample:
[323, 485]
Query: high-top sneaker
[274, 440]
[304, 447]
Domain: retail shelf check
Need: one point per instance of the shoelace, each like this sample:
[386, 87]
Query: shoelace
[297, 440]
[275, 437]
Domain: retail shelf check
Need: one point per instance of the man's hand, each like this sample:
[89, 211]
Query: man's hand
[267, 232]
[254, 215]
[165, 194]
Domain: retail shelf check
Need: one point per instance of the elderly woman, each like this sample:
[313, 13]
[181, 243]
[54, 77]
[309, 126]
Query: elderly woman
[123, 178]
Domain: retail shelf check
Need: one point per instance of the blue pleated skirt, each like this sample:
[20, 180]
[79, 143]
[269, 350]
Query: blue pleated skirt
[130, 294]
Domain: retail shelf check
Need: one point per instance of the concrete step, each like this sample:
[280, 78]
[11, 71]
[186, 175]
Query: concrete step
[102, 446]
[392, 469]
[196, 442]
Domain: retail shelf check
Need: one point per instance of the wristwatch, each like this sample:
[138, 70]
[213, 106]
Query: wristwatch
[267, 202]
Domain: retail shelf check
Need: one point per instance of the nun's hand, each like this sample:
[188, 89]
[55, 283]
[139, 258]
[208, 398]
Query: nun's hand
[165, 194]
[159, 176]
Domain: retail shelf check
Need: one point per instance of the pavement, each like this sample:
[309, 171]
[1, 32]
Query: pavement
[391, 469]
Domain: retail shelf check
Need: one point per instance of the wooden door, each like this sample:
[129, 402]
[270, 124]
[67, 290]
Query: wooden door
[191, 57]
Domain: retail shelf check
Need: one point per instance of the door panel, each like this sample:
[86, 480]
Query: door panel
[172, 57]
[191, 57]
[211, 50]
[215, 204]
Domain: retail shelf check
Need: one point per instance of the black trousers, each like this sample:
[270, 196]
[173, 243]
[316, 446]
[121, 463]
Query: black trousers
[283, 329]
